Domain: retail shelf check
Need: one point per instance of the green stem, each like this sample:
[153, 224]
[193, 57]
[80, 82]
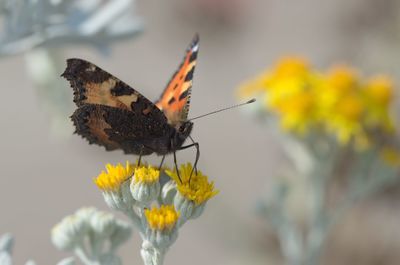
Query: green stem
[152, 255]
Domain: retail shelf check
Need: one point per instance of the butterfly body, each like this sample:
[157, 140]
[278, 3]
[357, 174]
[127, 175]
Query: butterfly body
[112, 114]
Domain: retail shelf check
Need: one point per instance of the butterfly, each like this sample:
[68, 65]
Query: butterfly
[112, 114]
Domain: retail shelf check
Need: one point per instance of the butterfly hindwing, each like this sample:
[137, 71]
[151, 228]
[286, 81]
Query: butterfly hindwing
[175, 99]
[116, 128]
[111, 113]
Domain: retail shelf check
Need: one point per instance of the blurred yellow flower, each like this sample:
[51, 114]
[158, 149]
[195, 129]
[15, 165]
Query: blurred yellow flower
[379, 96]
[292, 66]
[339, 102]
[379, 89]
[342, 79]
[163, 218]
[196, 187]
[112, 179]
[289, 93]
[296, 111]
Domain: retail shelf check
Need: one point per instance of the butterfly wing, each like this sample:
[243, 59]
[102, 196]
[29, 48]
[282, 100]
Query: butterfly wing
[175, 99]
[111, 113]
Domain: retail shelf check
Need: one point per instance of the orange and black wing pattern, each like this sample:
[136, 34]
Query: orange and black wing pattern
[175, 99]
[111, 113]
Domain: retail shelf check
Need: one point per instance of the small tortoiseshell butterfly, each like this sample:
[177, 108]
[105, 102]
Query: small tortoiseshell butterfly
[112, 114]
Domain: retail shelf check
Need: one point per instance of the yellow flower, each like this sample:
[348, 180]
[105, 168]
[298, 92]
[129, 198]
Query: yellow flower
[290, 93]
[114, 177]
[163, 218]
[147, 174]
[338, 102]
[296, 111]
[345, 118]
[378, 96]
[195, 188]
[289, 70]
[379, 89]
[292, 66]
[343, 79]
[337, 83]
[350, 108]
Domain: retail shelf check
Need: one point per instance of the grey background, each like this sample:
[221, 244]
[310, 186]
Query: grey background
[44, 177]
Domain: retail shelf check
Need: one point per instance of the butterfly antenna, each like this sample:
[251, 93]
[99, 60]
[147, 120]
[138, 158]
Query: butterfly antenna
[231, 107]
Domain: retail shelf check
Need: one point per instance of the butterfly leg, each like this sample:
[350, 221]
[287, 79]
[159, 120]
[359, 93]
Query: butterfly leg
[140, 156]
[162, 162]
[176, 167]
[197, 156]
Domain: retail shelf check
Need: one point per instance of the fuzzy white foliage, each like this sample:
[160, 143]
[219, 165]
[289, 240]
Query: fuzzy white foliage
[32, 23]
[92, 235]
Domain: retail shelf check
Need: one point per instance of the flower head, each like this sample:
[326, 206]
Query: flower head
[145, 186]
[163, 218]
[114, 177]
[379, 94]
[194, 187]
[147, 174]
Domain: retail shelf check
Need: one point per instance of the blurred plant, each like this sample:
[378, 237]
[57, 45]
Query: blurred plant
[6, 246]
[92, 235]
[338, 129]
[157, 203]
[39, 28]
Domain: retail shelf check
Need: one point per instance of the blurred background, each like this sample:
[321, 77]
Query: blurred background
[47, 173]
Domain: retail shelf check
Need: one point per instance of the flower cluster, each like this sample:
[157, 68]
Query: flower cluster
[338, 102]
[157, 202]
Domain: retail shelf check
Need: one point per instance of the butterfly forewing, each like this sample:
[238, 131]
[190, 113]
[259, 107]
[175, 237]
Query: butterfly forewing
[111, 113]
[175, 99]
[93, 85]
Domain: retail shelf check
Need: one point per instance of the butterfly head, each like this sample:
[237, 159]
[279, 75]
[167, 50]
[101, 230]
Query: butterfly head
[185, 128]
[183, 131]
